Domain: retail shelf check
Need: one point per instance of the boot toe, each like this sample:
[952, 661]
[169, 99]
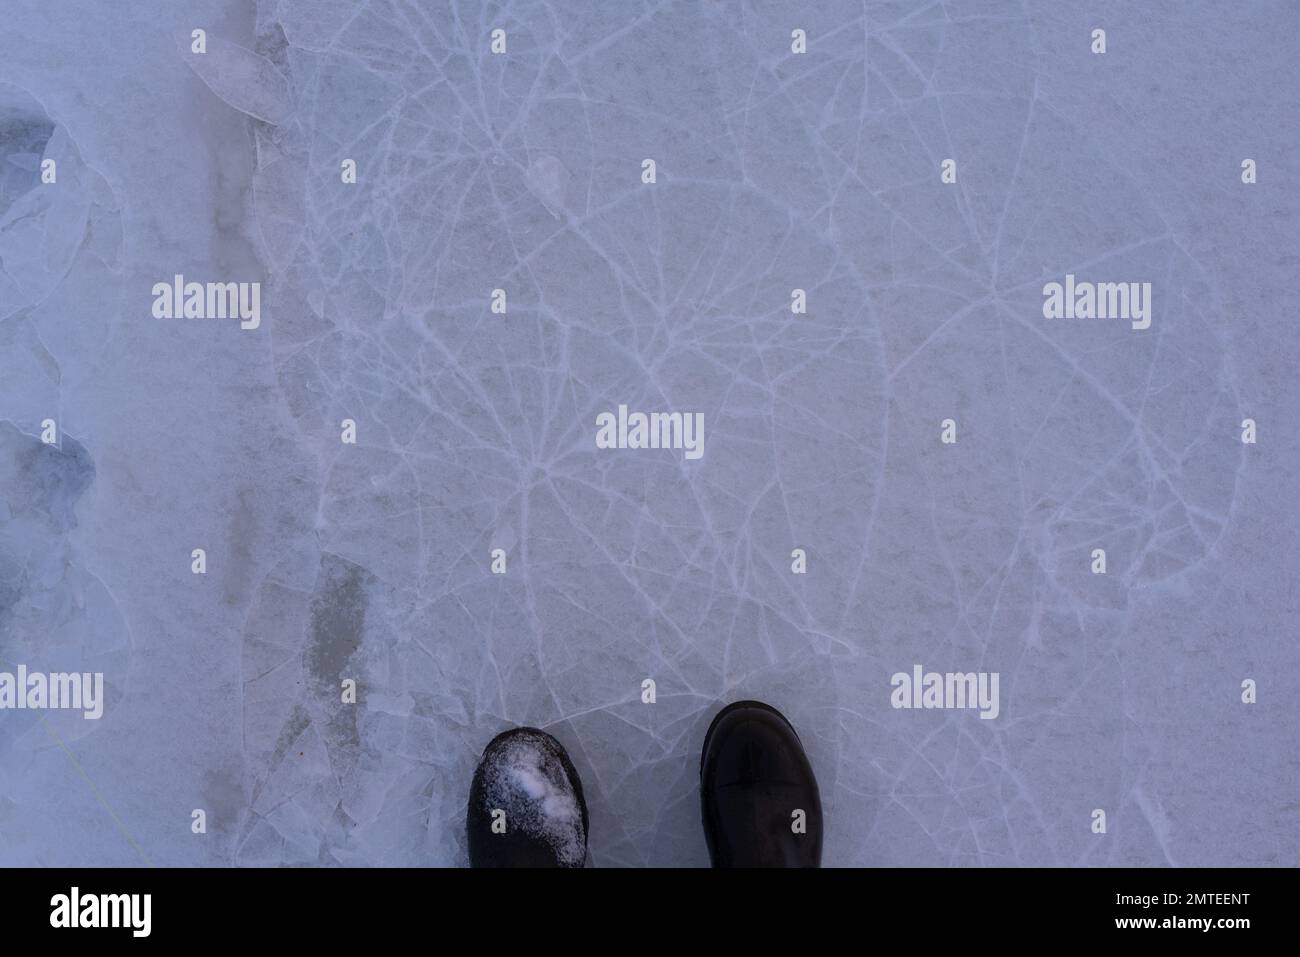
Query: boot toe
[526, 807]
[758, 793]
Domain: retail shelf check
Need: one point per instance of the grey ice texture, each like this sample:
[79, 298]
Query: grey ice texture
[476, 431]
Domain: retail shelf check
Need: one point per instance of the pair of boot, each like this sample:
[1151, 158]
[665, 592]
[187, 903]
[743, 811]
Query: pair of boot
[758, 797]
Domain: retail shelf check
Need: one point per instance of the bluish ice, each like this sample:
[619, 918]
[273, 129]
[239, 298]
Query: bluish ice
[475, 431]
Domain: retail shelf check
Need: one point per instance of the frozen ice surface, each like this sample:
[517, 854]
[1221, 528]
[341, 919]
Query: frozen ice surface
[776, 171]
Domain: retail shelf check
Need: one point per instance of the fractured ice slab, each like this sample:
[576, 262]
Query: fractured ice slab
[248, 82]
[331, 563]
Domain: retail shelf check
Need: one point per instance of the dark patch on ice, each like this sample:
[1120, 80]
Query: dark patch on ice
[223, 794]
[41, 479]
[338, 618]
[23, 136]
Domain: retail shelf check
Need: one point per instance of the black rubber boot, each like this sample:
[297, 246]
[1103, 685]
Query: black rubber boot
[758, 793]
[526, 807]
